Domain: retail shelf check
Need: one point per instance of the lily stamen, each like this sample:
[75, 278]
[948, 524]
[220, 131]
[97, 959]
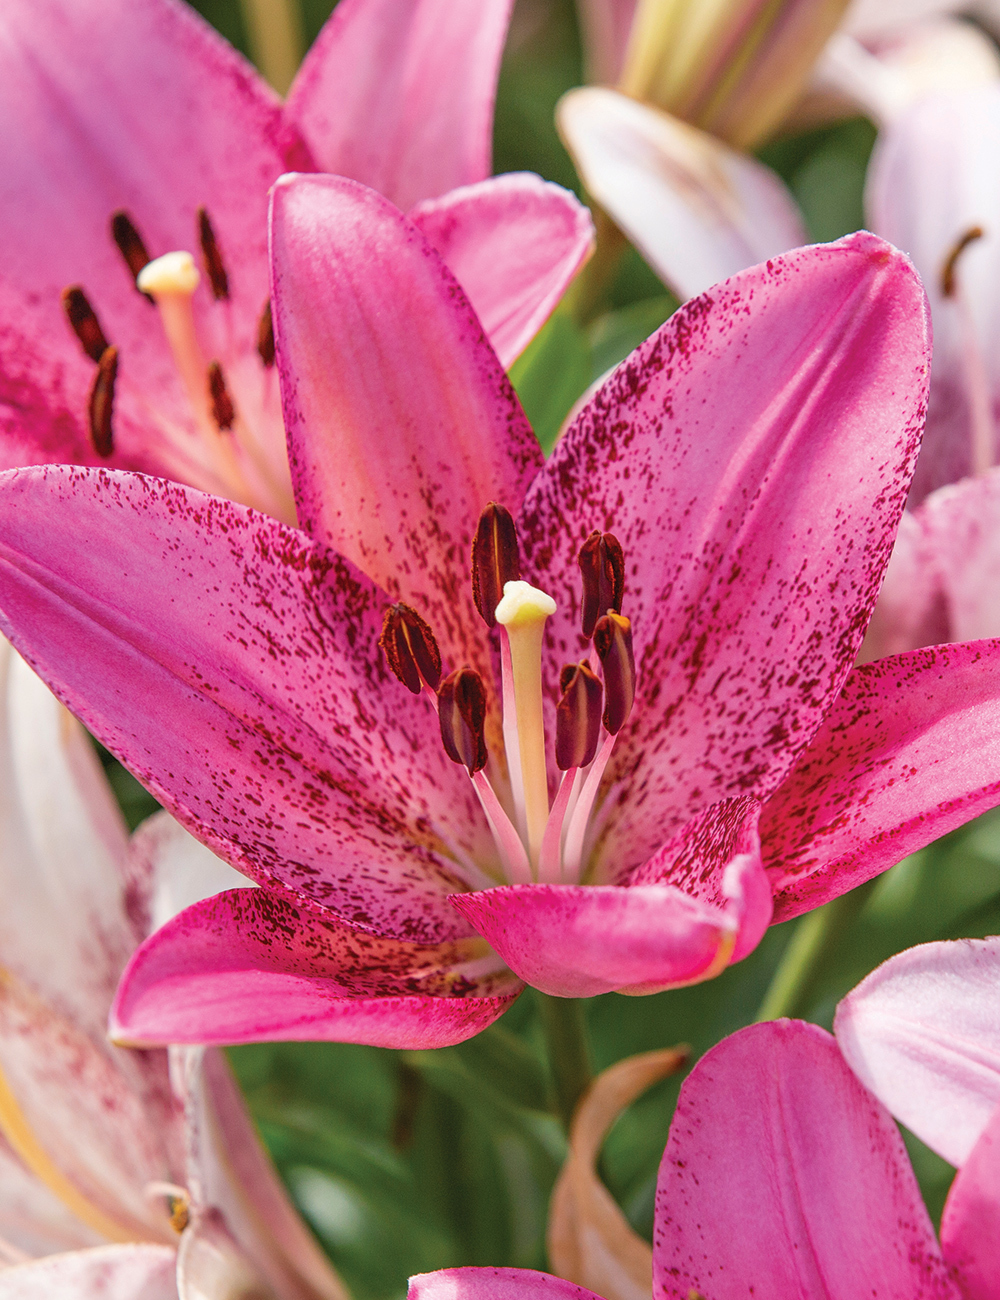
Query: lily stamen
[214, 264]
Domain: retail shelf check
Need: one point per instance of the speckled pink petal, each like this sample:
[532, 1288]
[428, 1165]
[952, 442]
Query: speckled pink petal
[697, 210]
[923, 1033]
[784, 1177]
[246, 966]
[513, 243]
[970, 1225]
[134, 104]
[494, 1284]
[753, 458]
[401, 424]
[909, 751]
[576, 941]
[233, 665]
[399, 94]
[134, 1272]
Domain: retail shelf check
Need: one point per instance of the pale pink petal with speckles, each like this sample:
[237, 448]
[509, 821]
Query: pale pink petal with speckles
[923, 1033]
[701, 901]
[494, 1284]
[970, 1225]
[783, 1176]
[134, 104]
[401, 423]
[233, 666]
[909, 751]
[513, 243]
[247, 966]
[753, 458]
[35, 1222]
[961, 525]
[911, 610]
[399, 94]
[133, 1272]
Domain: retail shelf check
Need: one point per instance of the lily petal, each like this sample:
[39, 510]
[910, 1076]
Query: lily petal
[400, 95]
[247, 966]
[160, 117]
[970, 1225]
[493, 1284]
[697, 210]
[782, 1176]
[134, 1272]
[923, 1033]
[576, 941]
[752, 458]
[401, 423]
[910, 750]
[171, 870]
[35, 1222]
[513, 243]
[911, 610]
[344, 796]
[605, 26]
[961, 527]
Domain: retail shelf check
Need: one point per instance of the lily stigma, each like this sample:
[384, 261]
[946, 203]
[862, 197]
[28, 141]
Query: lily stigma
[533, 841]
[218, 446]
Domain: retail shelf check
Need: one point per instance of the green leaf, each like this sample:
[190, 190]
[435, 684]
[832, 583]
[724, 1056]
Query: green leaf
[550, 374]
[617, 333]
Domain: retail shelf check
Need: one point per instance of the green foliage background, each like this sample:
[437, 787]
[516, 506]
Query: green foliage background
[404, 1162]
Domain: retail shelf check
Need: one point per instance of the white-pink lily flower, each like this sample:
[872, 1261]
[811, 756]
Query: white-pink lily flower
[122, 1174]
[133, 131]
[923, 1033]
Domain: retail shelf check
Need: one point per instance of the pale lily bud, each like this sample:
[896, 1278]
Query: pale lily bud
[590, 1241]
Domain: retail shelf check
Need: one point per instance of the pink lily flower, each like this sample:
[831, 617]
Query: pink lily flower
[135, 132]
[416, 870]
[782, 1176]
[923, 1033]
[121, 1174]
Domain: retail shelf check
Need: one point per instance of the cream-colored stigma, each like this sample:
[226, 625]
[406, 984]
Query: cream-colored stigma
[171, 273]
[522, 605]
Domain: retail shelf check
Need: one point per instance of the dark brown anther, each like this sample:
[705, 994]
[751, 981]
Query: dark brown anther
[214, 264]
[410, 648]
[83, 319]
[613, 643]
[130, 245]
[223, 411]
[265, 336]
[949, 281]
[102, 401]
[462, 711]
[496, 559]
[602, 566]
[578, 716]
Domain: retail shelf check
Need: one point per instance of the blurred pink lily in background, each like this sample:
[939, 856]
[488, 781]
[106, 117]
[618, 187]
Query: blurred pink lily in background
[136, 133]
[751, 458]
[783, 1176]
[120, 1174]
[923, 1033]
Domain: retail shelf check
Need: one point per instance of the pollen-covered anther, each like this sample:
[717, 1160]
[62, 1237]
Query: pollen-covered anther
[613, 643]
[214, 264]
[130, 243]
[578, 716]
[100, 408]
[265, 336]
[410, 648]
[496, 559]
[84, 322]
[462, 712]
[949, 279]
[602, 568]
[223, 411]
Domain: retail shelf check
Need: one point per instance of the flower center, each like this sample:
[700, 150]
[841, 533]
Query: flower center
[223, 448]
[535, 841]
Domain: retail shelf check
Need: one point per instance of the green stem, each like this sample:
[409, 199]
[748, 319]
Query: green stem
[816, 936]
[565, 1027]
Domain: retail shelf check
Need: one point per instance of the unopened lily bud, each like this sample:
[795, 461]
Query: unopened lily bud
[496, 559]
[462, 712]
[613, 643]
[578, 716]
[602, 567]
[410, 648]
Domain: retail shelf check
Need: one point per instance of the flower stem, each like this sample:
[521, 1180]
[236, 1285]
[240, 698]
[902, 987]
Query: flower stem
[565, 1027]
[816, 937]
